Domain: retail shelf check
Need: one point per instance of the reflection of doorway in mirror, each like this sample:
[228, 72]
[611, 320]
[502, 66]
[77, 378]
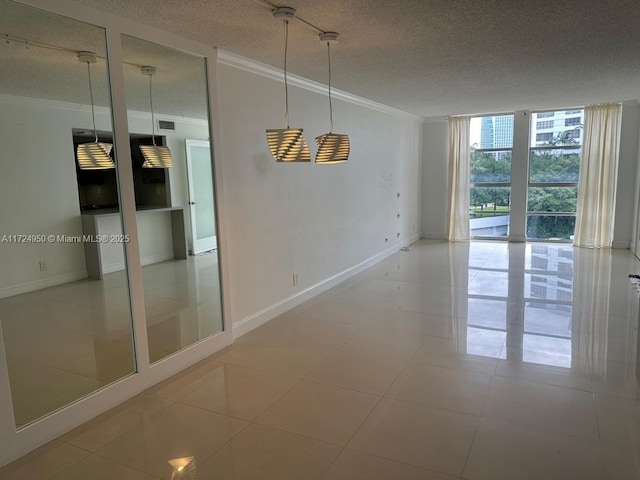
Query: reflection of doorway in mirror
[201, 203]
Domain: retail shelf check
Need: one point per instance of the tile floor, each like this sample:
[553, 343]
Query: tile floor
[481, 361]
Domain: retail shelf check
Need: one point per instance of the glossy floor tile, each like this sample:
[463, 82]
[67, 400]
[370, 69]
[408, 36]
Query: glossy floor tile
[178, 431]
[502, 451]
[472, 361]
[427, 437]
[319, 411]
[269, 454]
[352, 465]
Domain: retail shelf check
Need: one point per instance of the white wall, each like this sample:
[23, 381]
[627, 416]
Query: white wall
[434, 199]
[434, 178]
[315, 221]
[39, 193]
[627, 165]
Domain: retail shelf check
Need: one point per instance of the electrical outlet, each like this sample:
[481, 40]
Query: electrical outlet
[43, 265]
[295, 279]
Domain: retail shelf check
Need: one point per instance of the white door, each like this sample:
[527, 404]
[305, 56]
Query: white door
[200, 174]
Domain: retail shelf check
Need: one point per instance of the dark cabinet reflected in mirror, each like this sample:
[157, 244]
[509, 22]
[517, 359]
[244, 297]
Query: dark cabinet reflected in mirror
[97, 189]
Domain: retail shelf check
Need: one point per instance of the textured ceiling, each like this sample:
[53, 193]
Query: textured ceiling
[38, 70]
[428, 57]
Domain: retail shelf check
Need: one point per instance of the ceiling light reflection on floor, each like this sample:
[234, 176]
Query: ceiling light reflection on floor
[183, 468]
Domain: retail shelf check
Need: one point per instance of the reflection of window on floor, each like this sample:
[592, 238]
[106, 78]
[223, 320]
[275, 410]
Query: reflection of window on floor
[538, 262]
[541, 331]
[486, 325]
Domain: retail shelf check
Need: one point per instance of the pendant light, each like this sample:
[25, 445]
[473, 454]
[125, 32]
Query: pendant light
[93, 155]
[287, 144]
[155, 156]
[332, 147]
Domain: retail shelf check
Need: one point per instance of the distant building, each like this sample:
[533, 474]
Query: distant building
[486, 132]
[496, 132]
[548, 125]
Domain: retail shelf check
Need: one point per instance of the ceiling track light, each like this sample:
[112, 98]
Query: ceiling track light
[332, 147]
[287, 144]
[155, 156]
[93, 155]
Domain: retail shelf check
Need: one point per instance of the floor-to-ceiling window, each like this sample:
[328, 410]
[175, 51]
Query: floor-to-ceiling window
[554, 164]
[551, 159]
[490, 175]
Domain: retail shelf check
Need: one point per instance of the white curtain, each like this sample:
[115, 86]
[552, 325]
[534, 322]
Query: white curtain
[458, 225]
[598, 176]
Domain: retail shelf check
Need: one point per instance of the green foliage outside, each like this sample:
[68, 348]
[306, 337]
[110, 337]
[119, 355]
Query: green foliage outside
[553, 166]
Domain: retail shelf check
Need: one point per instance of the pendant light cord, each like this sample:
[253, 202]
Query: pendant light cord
[153, 121]
[93, 110]
[330, 104]
[286, 86]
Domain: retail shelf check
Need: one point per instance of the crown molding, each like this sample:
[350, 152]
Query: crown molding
[78, 107]
[262, 69]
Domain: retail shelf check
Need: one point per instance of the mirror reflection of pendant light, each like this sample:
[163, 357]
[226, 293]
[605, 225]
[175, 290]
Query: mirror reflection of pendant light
[287, 144]
[332, 147]
[94, 155]
[155, 156]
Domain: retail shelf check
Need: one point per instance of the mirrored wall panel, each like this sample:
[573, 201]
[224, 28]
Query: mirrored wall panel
[64, 296]
[166, 92]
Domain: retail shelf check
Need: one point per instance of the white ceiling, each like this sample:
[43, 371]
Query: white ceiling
[431, 57]
[428, 57]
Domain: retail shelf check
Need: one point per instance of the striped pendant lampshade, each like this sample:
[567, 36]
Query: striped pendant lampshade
[332, 148]
[155, 156]
[288, 145]
[93, 155]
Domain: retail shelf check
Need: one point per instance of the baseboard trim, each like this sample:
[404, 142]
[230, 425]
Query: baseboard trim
[34, 285]
[412, 239]
[621, 244]
[434, 235]
[254, 320]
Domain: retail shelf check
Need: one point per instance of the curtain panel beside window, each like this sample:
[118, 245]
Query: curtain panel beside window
[458, 220]
[598, 176]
